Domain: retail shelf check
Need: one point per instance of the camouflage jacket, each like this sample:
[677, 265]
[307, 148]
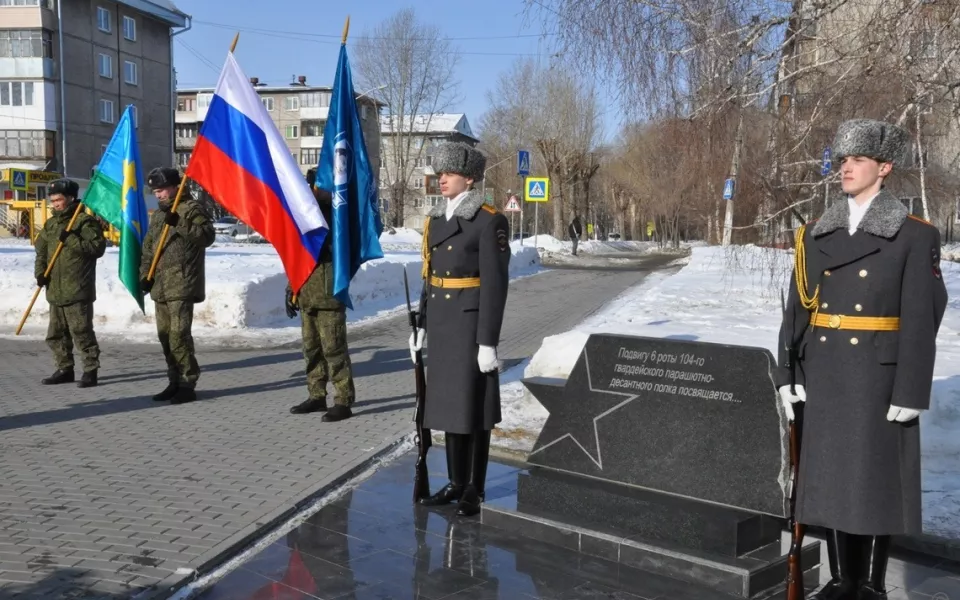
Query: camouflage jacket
[74, 275]
[317, 292]
[180, 270]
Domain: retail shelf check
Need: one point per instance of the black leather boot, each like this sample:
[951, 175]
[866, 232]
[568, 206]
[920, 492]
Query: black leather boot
[168, 392]
[339, 412]
[184, 395]
[479, 457]
[457, 457]
[59, 376]
[876, 554]
[310, 405]
[88, 379]
[844, 555]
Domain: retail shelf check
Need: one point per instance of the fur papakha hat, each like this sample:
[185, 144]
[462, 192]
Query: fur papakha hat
[874, 139]
[459, 158]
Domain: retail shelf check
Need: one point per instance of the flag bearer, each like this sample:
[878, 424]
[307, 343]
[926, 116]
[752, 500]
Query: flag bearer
[179, 280]
[865, 306]
[466, 251]
[72, 283]
[323, 323]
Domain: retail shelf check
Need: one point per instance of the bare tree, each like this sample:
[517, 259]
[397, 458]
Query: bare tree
[413, 66]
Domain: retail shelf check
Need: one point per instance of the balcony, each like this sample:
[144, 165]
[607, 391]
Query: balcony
[186, 143]
[314, 112]
[26, 68]
[311, 141]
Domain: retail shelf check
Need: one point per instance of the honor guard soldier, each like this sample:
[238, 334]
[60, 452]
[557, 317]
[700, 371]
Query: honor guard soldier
[865, 306]
[179, 280]
[323, 327]
[72, 283]
[466, 260]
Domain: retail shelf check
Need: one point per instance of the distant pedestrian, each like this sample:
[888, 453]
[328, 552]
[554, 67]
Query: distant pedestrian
[72, 283]
[323, 328]
[575, 230]
[179, 281]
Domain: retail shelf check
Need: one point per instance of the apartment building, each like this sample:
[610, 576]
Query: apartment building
[68, 70]
[298, 110]
[408, 150]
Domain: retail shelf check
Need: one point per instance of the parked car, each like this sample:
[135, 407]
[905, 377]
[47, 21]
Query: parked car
[231, 226]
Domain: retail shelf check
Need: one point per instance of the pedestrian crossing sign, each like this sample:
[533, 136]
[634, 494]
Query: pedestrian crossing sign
[537, 189]
[18, 180]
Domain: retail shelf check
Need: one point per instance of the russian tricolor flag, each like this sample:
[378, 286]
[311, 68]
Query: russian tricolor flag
[242, 161]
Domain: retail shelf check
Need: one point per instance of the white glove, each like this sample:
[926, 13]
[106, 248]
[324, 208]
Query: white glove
[902, 415]
[487, 359]
[416, 343]
[789, 399]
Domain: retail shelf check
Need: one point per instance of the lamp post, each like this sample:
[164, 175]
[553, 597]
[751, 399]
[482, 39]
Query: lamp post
[483, 187]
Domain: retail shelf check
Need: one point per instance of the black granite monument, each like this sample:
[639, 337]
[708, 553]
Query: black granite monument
[671, 456]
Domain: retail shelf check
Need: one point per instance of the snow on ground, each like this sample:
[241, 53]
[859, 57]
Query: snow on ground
[733, 296]
[245, 285]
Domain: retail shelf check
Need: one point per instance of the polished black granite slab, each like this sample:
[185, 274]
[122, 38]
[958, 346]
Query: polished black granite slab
[644, 515]
[692, 419]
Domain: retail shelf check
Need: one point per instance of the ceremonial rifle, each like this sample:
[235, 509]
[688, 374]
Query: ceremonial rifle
[422, 436]
[794, 568]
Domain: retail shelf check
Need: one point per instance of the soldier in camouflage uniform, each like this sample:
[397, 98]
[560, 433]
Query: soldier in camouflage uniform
[324, 331]
[71, 285]
[178, 282]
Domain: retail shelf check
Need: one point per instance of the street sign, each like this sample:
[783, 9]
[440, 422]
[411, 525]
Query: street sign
[537, 189]
[523, 163]
[728, 189]
[18, 179]
[827, 162]
[513, 205]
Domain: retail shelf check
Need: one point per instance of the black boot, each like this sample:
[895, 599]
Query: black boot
[168, 392]
[309, 406]
[339, 412]
[59, 376]
[845, 557]
[876, 554]
[184, 395]
[479, 457]
[88, 379]
[457, 457]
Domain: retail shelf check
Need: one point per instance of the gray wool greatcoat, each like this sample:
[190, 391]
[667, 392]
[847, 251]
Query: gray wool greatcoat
[860, 473]
[475, 242]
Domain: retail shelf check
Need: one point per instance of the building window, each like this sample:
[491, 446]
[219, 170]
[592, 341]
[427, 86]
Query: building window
[315, 99]
[310, 156]
[135, 115]
[183, 158]
[36, 145]
[106, 111]
[40, 3]
[187, 131]
[130, 72]
[130, 29]
[435, 200]
[16, 93]
[103, 19]
[25, 43]
[292, 132]
[417, 183]
[267, 103]
[313, 128]
[363, 111]
[186, 104]
[291, 103]
[103, 150]
[203, 100]
[105, 65]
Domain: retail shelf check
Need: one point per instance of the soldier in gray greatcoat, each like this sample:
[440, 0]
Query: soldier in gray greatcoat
[865, 306]
[466, 277]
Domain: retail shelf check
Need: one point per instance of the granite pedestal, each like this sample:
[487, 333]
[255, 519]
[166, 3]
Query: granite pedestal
[668, 456]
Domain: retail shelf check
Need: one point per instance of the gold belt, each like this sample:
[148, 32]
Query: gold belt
[455, 282]
[857, 323]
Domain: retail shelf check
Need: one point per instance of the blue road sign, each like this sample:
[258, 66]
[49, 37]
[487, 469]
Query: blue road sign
[523, 163]
[18, 179]
[827, 162]
[728, 189]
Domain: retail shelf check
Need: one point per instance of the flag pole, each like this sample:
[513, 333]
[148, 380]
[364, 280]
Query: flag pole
[46, 273]
[176, 201]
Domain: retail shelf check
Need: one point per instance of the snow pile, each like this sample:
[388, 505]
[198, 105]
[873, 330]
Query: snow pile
[245, 286]
[733, 297]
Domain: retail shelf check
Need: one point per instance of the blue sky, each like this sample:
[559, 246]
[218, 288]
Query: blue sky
[491, 35]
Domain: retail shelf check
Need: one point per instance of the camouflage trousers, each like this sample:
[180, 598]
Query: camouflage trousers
[69, 325]
[325, 352]
[174, 324]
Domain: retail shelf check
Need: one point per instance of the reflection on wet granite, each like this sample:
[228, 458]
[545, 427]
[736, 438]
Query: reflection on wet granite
[374, 543]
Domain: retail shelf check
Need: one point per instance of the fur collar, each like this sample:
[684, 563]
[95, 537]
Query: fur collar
[884, 217]
[467, 209]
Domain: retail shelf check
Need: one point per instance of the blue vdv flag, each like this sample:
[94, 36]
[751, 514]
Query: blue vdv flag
[344, 170]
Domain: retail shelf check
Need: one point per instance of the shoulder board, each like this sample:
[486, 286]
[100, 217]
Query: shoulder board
[489, 209]
[916, 218]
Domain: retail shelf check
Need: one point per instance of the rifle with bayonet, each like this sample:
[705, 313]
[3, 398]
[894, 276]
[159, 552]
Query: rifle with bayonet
[794, 568]
[422, 435]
